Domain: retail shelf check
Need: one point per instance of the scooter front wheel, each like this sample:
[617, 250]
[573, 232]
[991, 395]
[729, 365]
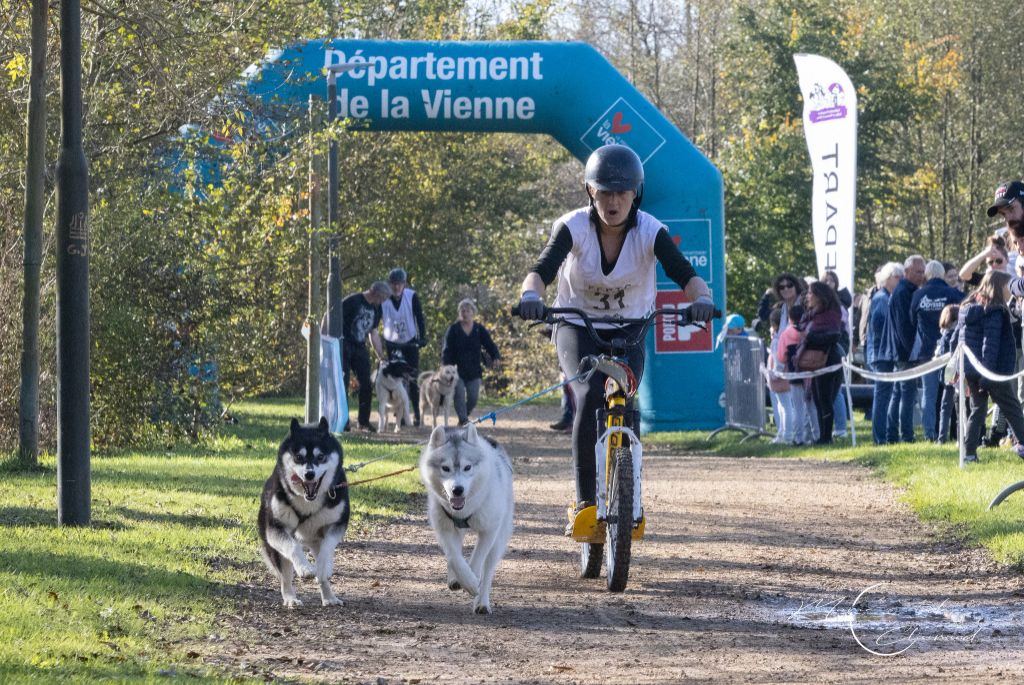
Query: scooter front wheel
[620, 520]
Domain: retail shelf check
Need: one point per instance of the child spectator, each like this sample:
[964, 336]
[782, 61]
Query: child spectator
[735, 324]
[804, 415]
[947, 341]
[986, 329]
[780, 386]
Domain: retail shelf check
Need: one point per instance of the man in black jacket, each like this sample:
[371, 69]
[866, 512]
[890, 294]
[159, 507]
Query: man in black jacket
[360, 315]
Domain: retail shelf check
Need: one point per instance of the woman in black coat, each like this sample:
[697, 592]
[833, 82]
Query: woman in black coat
[464, 344]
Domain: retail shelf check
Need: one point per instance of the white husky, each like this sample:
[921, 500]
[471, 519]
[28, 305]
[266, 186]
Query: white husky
[437, 392]
[469, 487]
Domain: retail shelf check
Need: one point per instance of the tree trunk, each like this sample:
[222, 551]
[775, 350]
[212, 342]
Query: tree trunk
[28, 407]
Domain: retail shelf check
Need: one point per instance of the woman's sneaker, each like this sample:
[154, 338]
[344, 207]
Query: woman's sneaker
[580, 506]
[971, 459]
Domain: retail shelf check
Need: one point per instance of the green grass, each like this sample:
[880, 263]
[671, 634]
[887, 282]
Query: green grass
[930, 478]
[173, 532]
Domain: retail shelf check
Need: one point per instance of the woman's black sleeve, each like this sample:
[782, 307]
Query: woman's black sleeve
[448, 350]
[845, 298]
[554, 254]
[676, 266]
[764, 307]
[488, 344]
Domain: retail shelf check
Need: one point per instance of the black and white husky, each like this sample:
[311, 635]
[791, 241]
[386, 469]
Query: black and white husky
[469, 488]
[304, 507]
[390, 381]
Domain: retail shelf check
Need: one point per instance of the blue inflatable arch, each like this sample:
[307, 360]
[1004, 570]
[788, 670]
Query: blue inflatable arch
[570, 92]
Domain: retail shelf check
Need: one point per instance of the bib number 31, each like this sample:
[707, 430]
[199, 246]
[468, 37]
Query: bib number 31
[611, 298]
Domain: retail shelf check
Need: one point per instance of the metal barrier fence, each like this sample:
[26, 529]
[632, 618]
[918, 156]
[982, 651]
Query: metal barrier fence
[744, 386]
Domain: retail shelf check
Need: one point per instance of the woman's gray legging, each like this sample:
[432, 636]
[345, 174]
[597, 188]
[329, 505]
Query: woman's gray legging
[572, 343]
[466, 395]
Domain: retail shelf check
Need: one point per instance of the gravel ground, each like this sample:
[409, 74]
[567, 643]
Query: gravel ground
[749, 572]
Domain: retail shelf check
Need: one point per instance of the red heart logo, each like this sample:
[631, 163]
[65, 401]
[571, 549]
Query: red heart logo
[618, 126]
[677, 239]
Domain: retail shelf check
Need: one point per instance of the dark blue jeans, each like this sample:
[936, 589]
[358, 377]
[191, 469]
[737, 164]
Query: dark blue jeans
[901, 408]
[880, 404]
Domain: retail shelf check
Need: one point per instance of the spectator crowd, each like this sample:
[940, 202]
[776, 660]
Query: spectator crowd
[916, 311]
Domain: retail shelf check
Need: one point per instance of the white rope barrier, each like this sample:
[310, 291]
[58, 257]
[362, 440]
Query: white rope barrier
[985, 372]
[904, 375]
[798, 375]
[891, 376]
[908, 374]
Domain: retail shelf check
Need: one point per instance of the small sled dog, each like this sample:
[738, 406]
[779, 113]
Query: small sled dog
[304, 506]
[437, 392]
[469, 487]
[392, 395]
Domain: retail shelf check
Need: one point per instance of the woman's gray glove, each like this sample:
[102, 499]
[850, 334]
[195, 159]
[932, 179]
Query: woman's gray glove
[702, 309]
[531, 307]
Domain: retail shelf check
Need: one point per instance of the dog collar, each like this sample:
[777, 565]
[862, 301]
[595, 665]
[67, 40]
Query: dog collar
[459, 523]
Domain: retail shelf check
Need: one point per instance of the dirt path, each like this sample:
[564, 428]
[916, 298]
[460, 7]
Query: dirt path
[747, 574]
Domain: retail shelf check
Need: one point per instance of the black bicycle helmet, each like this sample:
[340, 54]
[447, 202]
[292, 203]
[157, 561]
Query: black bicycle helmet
[397, 275]
[615, 168]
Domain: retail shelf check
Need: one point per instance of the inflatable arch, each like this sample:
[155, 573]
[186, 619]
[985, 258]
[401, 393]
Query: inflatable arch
[570, 92]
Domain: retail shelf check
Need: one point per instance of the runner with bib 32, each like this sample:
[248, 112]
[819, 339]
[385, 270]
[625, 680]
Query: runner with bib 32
[605, 257]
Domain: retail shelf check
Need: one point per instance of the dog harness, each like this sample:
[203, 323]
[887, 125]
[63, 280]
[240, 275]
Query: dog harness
[459, 523]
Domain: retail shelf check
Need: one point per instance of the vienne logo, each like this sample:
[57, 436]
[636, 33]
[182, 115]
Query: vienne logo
[618, 126]
[827, 104]
[622, 124]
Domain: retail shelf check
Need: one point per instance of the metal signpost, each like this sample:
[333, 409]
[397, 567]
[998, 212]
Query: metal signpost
[334, 263]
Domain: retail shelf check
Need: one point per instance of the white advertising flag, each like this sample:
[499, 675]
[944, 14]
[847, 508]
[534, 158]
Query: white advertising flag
[830, 125]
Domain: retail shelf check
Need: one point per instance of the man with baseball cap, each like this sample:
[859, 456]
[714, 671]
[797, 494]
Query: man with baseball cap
[1008, 204]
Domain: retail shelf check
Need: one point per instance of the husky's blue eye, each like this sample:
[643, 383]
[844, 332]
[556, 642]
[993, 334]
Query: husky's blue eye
[445, 469]
[468, 467]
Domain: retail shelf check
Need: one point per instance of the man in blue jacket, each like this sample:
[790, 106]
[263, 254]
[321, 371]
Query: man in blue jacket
[897, 346]
[925, 307]
[886, 279]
